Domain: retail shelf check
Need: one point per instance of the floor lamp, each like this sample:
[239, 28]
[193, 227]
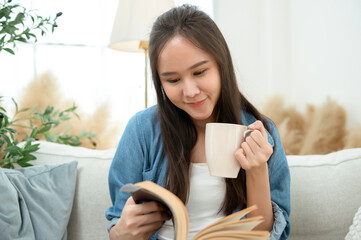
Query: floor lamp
[132, 25]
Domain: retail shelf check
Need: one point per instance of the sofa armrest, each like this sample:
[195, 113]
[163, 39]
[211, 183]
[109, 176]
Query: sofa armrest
[325, 194]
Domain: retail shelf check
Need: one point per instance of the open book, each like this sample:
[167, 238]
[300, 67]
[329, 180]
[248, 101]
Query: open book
[228, 228]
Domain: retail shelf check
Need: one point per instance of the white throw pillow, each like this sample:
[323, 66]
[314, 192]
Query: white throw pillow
[355, 229]
[325, 194]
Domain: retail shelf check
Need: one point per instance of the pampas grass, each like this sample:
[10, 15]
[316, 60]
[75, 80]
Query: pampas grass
[44, 91]
[40, 93]
[107, 134]
[325, 129]
[353, 138]
[321, 130]
[289, 122]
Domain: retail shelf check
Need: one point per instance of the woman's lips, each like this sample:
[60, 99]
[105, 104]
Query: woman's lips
[197, 104]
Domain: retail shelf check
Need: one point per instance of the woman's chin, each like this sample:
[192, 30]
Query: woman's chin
[201, 117]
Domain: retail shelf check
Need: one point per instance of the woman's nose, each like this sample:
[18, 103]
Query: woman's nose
[190, 88]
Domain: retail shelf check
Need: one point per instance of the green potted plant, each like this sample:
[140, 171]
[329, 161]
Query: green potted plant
[19, 24]
[12, 153]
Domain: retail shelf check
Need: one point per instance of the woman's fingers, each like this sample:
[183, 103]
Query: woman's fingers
[155, 217]
[258, 125]
[146, 221]
[247, 151]
[255, 140]
[148, 207]
[146, 213]
[240, 156]
[140, 221]
[255, 150]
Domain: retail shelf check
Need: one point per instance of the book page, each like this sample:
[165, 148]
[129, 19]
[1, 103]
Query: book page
[245, 235]
[235, 217]
[244, 225]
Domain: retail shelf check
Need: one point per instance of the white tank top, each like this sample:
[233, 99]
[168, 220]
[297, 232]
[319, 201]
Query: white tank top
[205, 198]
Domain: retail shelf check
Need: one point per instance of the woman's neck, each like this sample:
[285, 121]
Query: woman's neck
[201, 124]
[198, 152]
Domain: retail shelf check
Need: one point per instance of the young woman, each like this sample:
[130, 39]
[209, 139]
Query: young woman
[195, 83]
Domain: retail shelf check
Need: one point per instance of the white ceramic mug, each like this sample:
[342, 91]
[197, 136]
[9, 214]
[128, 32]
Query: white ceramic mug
[221, 142]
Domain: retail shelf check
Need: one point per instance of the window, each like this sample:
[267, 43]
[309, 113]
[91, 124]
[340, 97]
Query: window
[76, 54]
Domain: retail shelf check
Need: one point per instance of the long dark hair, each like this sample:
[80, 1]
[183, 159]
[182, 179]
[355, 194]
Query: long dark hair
[178, 132]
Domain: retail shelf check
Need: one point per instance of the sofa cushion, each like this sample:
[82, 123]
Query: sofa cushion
[36, 201]
[87, 220]
[355, 228]
[325, 194]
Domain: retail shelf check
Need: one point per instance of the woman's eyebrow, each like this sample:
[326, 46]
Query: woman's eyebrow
[198, 64]
[165, 74]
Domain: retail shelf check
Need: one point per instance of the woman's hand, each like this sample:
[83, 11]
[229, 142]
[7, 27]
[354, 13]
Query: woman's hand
[139, 221]
[253, 156]
[255, 150]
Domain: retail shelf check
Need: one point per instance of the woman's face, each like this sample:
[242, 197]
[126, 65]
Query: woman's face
[190, 78]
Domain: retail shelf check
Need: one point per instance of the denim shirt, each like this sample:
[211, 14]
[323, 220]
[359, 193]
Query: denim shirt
[140, 157]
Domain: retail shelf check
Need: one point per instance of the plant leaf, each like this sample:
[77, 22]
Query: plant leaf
[50, 138]
[9, 166]
[24, 164]
[9, 51]
[6, 120]
[48, 110]
[26, 158]
[24, 110]
[21, 39]
[16, 105]
[72, 109]
[12, 150]
[7, 139]
[44, 129]
[31, 148]
[34, 132]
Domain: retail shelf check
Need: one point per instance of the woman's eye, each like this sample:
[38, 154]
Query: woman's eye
[173, 80]
[200, 72]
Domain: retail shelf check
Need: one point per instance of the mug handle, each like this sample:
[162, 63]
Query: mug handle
[248, 131]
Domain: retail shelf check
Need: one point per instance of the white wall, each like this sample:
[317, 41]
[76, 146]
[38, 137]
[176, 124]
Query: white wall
[305, 50]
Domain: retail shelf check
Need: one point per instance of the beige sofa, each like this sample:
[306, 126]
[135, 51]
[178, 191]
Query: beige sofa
[325, 191]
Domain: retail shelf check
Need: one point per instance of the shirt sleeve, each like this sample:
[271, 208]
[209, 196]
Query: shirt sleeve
[279, 224]
[280, 187]
[112, 223]
[126, 167]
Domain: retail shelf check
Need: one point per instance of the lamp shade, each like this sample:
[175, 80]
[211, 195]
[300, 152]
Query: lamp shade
[133, 22]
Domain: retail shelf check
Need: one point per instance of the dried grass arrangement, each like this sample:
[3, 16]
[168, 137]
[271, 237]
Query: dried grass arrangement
[44, 91]
[321, 130]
